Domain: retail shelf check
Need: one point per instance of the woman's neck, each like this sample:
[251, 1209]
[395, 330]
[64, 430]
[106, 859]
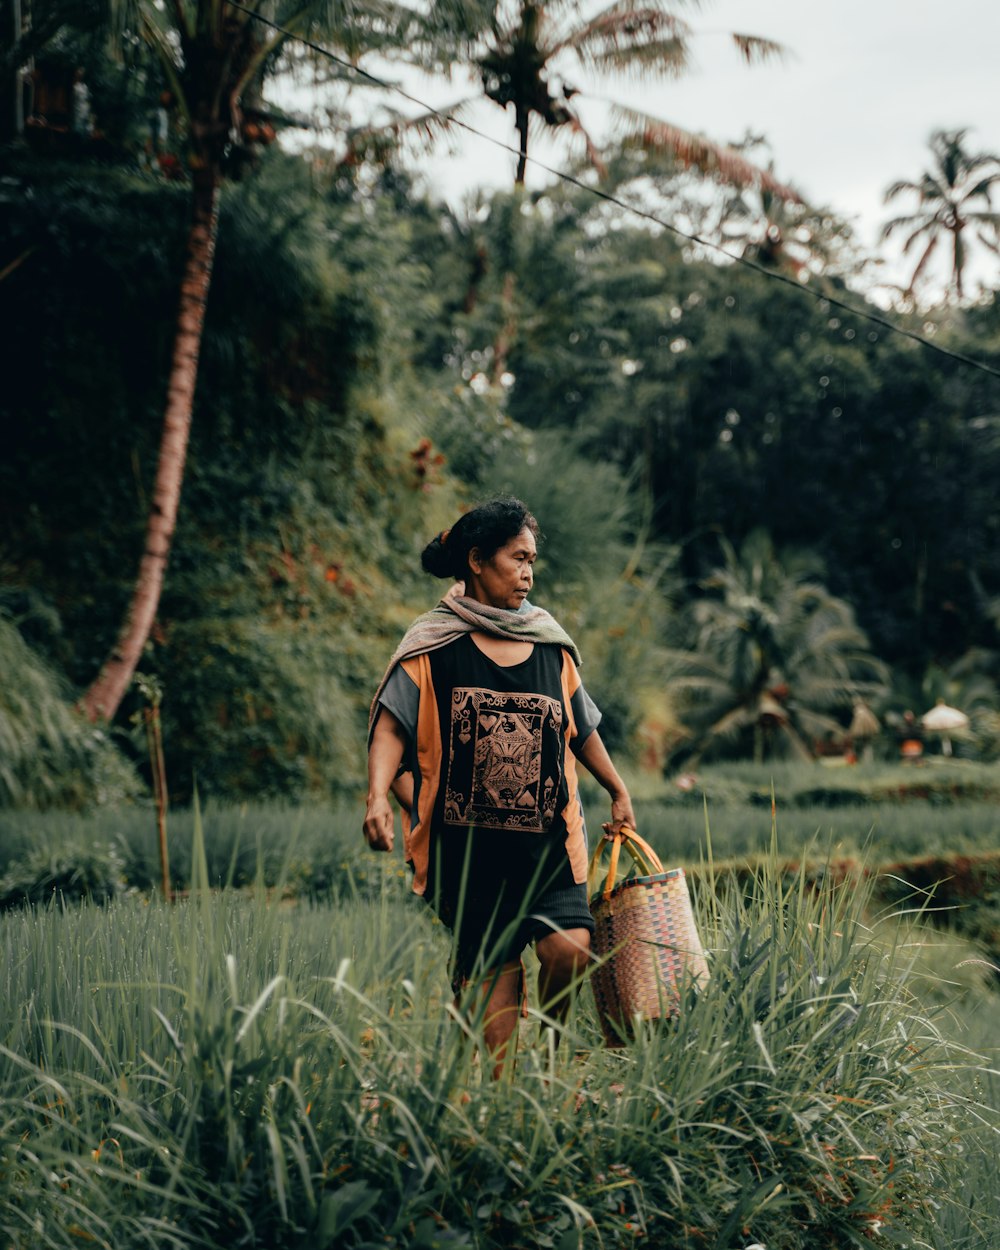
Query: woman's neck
[503, 651]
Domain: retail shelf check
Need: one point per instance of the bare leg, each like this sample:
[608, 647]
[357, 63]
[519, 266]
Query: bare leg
[564, 958]
[503, 1007]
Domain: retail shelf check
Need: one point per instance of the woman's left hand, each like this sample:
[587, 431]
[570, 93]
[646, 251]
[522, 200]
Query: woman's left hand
[595, 758]
[621, 814]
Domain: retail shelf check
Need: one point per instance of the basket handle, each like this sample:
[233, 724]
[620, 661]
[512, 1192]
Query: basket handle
[646, 859]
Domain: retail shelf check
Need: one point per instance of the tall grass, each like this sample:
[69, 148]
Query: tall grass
[312, 850]
[880, 832]
[229, 1072]
[309, 850]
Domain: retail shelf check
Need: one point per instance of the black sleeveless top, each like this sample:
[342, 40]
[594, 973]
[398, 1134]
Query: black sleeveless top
[498, 833]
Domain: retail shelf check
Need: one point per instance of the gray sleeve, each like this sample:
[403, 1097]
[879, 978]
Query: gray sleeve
[401, 697]
[587, 715]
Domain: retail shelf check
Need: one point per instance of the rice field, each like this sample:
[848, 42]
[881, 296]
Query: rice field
[245, 1069]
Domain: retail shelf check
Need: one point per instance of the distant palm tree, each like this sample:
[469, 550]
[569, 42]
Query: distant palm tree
[771, 653]
[953, 198]
[783, 232]
[531, 54]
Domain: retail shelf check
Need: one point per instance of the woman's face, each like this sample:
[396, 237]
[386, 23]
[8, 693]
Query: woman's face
[504, 580]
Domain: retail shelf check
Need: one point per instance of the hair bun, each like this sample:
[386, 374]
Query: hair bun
[436, 559]
[487, 527]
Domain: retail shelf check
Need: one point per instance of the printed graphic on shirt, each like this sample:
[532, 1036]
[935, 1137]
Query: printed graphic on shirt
[503, 760]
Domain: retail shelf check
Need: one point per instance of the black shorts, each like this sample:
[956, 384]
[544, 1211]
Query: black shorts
[485, 943]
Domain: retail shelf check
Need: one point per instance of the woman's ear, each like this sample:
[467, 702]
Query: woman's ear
[474, 561]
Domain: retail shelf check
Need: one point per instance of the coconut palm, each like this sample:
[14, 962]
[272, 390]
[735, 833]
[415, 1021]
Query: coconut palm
[531, 57]
[953, 198]
[781, 231]
[543, 59]
[214, 58]
[770, 655]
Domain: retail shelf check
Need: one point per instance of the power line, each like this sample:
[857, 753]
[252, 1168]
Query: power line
[644, 214]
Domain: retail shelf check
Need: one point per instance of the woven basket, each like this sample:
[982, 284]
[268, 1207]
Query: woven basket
[645, 938]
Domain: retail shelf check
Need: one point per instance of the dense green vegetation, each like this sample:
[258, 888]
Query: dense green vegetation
[929, 836]
[228, 1072]
[770, 524]
[310, 489]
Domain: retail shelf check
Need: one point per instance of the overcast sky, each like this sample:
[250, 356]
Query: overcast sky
[847, 112]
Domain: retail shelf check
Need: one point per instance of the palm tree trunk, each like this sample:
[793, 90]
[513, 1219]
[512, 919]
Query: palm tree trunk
[508, 328]
[103, 698]
[521, 119]
[508, 313]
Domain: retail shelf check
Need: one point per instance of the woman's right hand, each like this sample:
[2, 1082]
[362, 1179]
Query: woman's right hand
[379, 826]
[385, 755]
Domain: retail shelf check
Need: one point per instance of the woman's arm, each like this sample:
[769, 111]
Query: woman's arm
[384, 758]
[595, 758]
[402, 791]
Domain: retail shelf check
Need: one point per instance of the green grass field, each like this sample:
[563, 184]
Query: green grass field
[250, 1070]
[886, 813]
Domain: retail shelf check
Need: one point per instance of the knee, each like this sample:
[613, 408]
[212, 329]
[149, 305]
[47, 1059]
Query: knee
[564, 956]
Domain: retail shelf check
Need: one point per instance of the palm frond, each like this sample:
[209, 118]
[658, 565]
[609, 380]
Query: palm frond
[901, 223]
[627, 36]
[732, 722]
[793, 738]
[993, 244]
[922, 263]
[662, 58]
[815, 724]
[981, 189]
[896, 189]
[755, 50]
[716, 160]
[400, 131]
[982, 217]
[167, 53]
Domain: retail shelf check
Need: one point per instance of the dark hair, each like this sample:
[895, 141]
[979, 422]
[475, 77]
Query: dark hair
[487, 527]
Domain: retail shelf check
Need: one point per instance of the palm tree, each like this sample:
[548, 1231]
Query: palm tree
[771, 653]
[214, 57]
[953, 197]
[784, 232]
[529, 56]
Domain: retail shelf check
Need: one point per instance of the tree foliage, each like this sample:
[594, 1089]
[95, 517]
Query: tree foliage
[302, 502]
[49, 756]
[541, 59]
[771, 655]
[651, 406]
[747, 404]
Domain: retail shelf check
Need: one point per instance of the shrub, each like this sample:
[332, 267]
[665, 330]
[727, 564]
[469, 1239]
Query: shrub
[68, 873]
[50, 756]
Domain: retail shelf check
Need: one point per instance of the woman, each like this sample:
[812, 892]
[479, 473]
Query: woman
[479, 704]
